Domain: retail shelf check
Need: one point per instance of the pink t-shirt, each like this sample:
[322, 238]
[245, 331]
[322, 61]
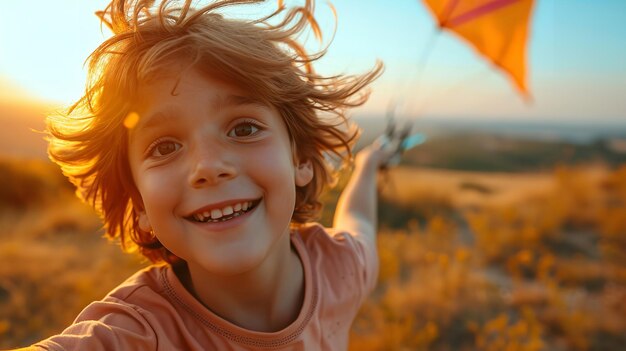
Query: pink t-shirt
[153, 311]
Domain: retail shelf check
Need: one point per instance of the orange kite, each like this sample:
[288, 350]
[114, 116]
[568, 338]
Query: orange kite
[497, 29]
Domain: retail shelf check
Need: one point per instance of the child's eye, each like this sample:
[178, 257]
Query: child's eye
[164, 148]
[244, 129]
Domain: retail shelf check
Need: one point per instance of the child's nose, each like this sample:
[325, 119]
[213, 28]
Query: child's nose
[210, 168]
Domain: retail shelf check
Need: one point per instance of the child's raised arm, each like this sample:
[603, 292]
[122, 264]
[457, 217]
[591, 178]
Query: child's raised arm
[356, 208]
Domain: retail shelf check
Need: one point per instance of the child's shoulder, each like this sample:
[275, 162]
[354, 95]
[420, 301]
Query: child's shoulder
[146, 281]
[316, 234]
[331, 244]
[122, 320]
[145, 293]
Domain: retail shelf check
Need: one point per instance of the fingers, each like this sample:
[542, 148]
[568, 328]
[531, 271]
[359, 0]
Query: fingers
[377, 154]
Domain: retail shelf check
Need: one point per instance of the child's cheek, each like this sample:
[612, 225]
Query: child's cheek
[160, 187]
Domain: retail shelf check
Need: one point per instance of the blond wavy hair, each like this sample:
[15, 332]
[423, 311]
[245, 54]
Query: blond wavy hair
[90, 140]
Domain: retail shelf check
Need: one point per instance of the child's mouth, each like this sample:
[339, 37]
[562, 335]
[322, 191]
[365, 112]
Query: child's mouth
[224, 214]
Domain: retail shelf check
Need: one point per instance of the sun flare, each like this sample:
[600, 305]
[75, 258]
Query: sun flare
[45, 57]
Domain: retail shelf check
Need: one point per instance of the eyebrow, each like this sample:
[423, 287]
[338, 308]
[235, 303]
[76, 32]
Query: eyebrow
[153, 120]
[169, 114]
[236, 100]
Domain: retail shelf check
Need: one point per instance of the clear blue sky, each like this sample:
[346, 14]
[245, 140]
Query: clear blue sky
[577, 58]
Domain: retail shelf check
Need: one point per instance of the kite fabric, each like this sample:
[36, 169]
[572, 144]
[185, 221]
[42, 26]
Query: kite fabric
[497, 29]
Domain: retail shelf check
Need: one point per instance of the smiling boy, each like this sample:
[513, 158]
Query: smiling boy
[204, 143]
[198, 155]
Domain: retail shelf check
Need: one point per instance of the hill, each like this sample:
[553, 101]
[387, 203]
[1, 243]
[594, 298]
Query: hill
[489, 151]
[20, 135]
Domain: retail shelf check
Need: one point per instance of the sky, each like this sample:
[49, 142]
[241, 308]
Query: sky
[576, 58]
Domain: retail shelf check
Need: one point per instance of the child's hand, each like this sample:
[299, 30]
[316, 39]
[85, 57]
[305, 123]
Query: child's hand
[390, 147]
[376, 155]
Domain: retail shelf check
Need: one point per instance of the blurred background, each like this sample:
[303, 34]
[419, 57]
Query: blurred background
[506, 230]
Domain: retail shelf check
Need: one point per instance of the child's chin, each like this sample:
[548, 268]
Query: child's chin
[232, 262]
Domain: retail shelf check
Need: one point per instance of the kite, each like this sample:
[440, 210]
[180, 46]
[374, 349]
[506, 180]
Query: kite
[497, 29]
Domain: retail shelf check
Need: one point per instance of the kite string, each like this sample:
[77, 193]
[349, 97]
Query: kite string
[437, 97]
[411, 83]
[387, 179]
[421, 102]
[423, 62]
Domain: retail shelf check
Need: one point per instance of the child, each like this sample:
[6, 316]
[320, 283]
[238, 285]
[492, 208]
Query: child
[204, 143]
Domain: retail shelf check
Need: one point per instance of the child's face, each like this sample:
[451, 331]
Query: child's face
[215, 171]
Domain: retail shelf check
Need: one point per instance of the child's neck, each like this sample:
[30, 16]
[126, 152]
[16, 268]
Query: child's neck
[266, 299]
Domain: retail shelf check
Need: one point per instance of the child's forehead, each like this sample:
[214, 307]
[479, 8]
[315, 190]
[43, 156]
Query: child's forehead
[163, 97]
[216, 89]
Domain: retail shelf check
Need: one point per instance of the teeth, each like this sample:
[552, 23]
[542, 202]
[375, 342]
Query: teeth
[227, 211]
[216, 213]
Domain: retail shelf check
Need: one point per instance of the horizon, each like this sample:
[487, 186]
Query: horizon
[22, 121]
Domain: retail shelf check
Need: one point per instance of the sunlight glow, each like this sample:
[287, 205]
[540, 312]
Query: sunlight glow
[46, 56]
[131, 120]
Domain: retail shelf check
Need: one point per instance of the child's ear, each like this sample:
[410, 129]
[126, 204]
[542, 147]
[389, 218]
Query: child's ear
[304, 173]
[140, 211]
[143, 221]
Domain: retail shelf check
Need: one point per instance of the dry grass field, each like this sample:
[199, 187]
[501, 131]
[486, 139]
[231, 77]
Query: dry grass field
[464, 189]
[482, 261]
[469, 261]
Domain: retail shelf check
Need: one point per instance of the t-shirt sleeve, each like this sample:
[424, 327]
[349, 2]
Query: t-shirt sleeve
[365, 258]
[105, 325]
[349, 261]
